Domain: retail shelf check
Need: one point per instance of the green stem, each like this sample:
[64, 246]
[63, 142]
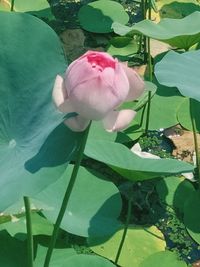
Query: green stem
[12, 5]
[194, 129]
[30, 253]
[66, 198]
[150, 79]
[143, 7]
[124, 232]
[150, 75]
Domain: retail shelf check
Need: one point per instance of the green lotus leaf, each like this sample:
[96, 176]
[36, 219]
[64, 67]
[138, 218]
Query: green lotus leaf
[174, 9]
[181, 33]
[165, 103]
[163, 259]
[59, 257]
[192, 216]
[34, 147]
[87, 260]
[97, 131]
[182, 71]
[17, 226]
[172, 190]
[142, 100]
[131, 166]
[123, 47]
[98, 16]
[188, 107]
[94, 202]
[140, 242]
[40, 8]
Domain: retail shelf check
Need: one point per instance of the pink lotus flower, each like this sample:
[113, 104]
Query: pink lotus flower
[94, 86]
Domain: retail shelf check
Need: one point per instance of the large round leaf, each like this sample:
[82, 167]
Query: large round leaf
[59, 257]
[131, 166]
[174, 9]
[123, 47]
[94, 202]
[182, 71]
[98, 16]
[140, 242]
[34, 148]
[181, 33]
[40, 8]
[17, 226]
[87, 260]
[188, 108]
[163, 259]
[172, 190]
[97, 132]
[68, 257]
[164, 106]
[192, 216]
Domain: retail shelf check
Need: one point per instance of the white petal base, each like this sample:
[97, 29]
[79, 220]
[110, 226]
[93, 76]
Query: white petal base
[118, 120]
[59, 96]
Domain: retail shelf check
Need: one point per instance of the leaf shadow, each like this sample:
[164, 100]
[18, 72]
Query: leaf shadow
[58, 148]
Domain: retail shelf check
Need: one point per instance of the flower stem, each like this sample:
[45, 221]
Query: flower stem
[125, 231]
[150, 75]
[30, 253]
[143, 8]
[194, 129]
[12, 5]
[66, 197]
[149, 93]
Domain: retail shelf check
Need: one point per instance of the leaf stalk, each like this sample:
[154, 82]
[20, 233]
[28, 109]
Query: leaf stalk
[66, 198]
[30, 250]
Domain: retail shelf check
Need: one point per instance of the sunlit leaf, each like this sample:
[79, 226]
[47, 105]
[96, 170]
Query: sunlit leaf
[163, 259]
[182, 71]
[181, 33]
[174, 9]
[140, 242]
[40, 8]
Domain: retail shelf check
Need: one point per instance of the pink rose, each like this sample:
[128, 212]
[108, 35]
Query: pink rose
[94, 86]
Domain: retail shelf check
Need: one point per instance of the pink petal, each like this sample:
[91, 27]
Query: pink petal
[136, 84]
[121, 83]
[79, 72]
[94, 99]
[59, 96]
[107, 76]
[118, 120]
[77, 123]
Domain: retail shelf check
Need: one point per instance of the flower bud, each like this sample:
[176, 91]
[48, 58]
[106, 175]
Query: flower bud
[94, 86]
